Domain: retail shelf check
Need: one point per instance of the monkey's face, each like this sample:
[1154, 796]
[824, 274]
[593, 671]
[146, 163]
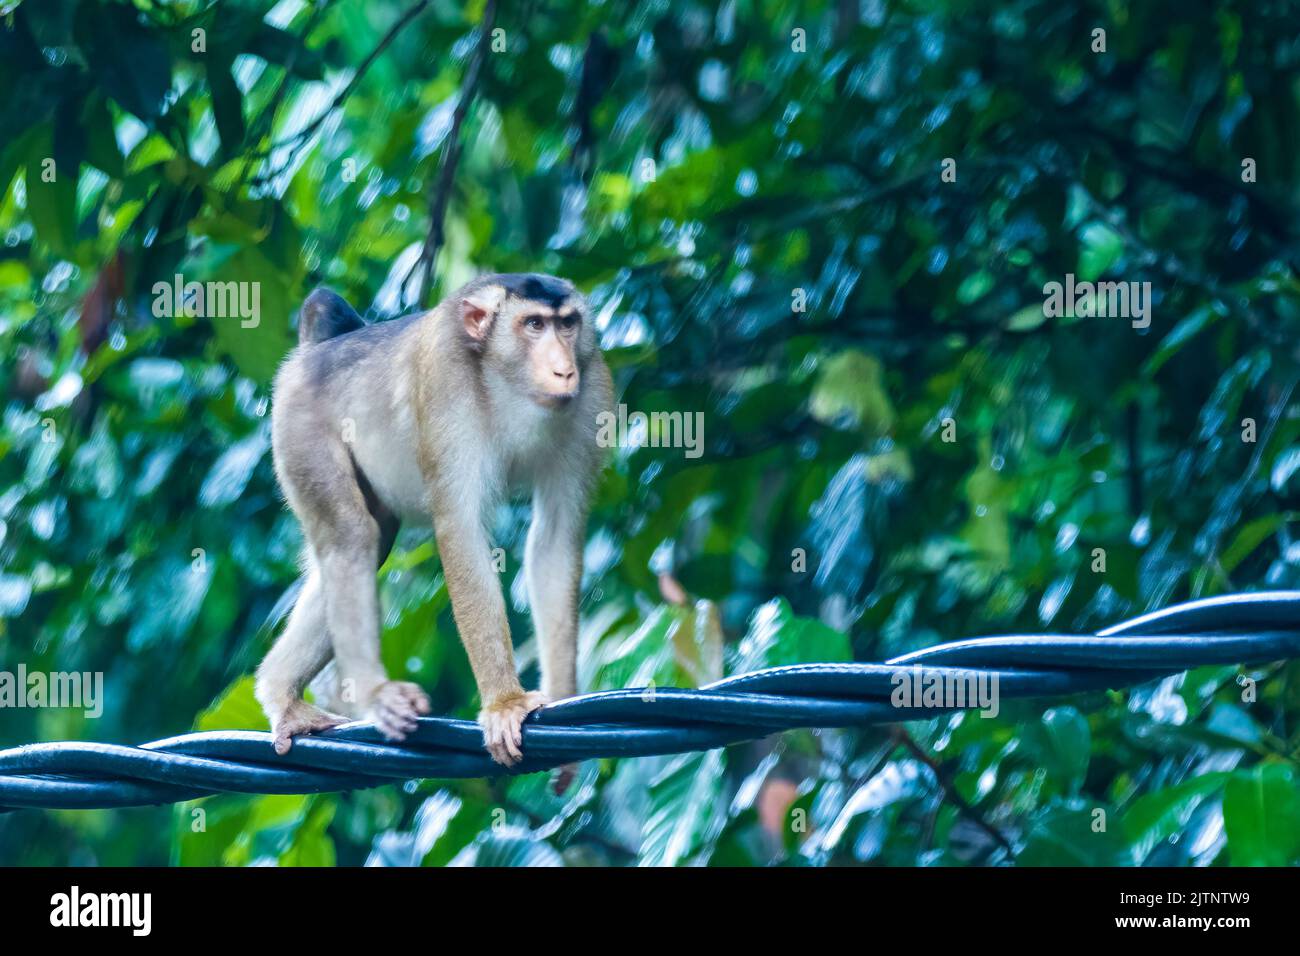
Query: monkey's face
[538, 347]
[546, 343]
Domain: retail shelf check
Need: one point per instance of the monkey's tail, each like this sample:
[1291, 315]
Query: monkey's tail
[324, 315]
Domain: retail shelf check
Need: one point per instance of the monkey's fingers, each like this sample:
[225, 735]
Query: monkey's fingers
[497, 749]
[301, 718]
[511, 738]
[393, 728]
[396, 707]
[502, 737]
[418, 699]
[502, 723]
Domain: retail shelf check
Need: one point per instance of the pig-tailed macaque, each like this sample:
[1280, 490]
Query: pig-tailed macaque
[434, 417]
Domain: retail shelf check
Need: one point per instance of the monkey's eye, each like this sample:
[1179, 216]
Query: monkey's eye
[534, 323]
[569, 321]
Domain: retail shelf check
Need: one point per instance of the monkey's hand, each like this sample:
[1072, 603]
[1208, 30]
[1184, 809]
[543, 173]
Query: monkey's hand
[502, 723]
[394, 707]
[300, 718]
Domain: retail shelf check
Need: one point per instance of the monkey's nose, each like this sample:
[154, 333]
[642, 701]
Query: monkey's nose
[566, 377]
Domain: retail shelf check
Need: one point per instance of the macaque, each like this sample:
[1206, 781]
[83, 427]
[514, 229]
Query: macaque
[435, 417]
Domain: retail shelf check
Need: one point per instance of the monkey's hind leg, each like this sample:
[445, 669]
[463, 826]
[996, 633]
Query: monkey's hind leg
[351, 533]
[348, 531]
[296, 657]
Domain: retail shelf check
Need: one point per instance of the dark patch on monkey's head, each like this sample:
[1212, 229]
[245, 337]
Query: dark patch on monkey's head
[477, 304]
[549, 291]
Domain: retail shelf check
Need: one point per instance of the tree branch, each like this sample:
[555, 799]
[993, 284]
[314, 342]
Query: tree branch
[950, 793]
[304, 135]
[440, 192]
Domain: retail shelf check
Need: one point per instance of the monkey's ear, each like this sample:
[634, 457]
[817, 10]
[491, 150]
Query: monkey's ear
[478, 309]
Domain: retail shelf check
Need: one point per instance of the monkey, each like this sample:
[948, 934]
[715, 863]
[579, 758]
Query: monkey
[434, 418]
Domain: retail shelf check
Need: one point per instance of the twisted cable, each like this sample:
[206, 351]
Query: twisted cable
[1238, 628]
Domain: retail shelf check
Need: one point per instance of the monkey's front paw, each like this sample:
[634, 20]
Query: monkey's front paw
[502, 723]
[395, 706]
[301, 718]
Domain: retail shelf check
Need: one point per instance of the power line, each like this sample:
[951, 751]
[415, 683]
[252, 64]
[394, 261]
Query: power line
[1239, 628]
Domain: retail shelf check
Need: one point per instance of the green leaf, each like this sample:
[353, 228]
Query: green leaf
[1102, 247]
[102, 150]
[1071, 836]
[697, 644]
[130, 61]
[1156, 816]
[850, 387]
[1178, 336]
[1070, 744]
[257, 345]
[52, 204]
[212, 832]
[236, 708]
[283, 48]
[311, 844]
[975, 287]
[1027, 319]
[513, 847]
[687, 809]
[641, 658]
[454, 825]
[227, 106]
[776, 637]
[1249, 537]
[1261, 815]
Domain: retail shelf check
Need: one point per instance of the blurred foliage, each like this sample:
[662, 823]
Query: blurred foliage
[700, 170]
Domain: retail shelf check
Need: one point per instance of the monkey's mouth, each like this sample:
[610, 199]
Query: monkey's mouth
[556, 400]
